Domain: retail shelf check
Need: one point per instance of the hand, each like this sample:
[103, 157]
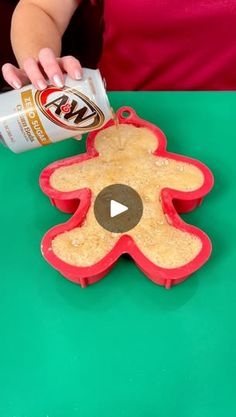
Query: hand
[48, 66]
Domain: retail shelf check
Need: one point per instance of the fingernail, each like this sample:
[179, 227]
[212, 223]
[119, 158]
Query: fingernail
[77, 75]
[41, 84]
[16, 84]
[58, 81]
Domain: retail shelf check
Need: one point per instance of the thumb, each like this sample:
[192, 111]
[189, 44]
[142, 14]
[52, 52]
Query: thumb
[14, 76]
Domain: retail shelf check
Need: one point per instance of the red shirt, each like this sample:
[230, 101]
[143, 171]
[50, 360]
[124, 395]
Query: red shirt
[169, 44]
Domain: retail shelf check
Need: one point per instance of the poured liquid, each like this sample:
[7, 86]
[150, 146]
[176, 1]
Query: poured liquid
[120, 138]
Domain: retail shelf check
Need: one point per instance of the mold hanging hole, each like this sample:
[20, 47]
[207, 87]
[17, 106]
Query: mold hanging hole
[126, 114]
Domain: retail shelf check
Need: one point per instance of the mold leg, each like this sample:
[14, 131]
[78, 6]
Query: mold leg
[83, 282]
[83, 246]
[168, 284]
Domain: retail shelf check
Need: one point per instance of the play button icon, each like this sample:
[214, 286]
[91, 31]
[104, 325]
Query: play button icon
[118, 208]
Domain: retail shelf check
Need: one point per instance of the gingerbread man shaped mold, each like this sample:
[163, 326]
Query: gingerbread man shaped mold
[162, 245]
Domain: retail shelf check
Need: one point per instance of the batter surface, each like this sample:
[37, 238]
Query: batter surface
[125, 157]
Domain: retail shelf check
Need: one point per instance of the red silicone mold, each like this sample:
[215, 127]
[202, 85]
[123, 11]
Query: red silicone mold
[173, 202]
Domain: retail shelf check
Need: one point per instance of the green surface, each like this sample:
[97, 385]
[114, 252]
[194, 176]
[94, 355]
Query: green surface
[124, 346]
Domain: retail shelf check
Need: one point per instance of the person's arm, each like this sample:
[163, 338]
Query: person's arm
[36, 32]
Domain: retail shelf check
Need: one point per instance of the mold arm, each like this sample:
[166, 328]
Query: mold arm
[74, 177]
[181, 176]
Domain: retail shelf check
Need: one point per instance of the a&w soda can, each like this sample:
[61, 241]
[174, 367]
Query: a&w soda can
[30, 118]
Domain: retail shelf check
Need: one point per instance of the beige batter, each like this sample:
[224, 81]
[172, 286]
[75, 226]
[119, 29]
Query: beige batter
[125, 157]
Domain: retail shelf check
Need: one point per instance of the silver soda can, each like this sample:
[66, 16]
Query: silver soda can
[30, 118]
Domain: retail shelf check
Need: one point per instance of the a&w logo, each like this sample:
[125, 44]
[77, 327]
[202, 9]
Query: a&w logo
[69, 109]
